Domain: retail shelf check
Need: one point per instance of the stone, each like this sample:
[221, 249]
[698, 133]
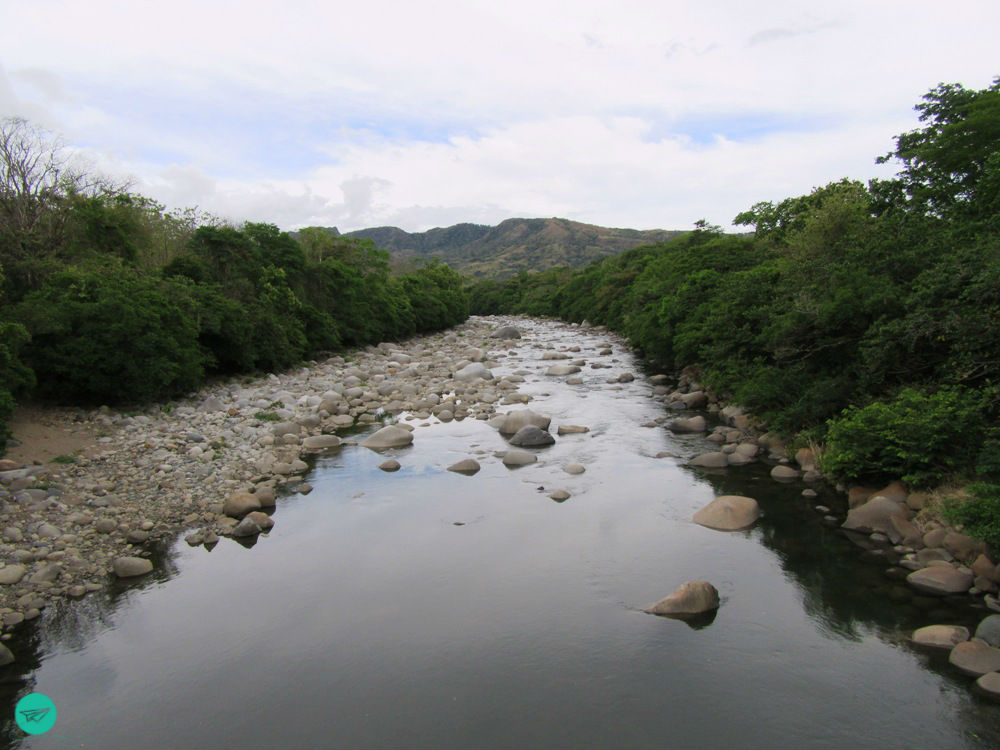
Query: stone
[963, 547]
[6, 657]
[46, 574]
[515, 420]
[903, 531]
[988, 684]
[13, 534]
[390, 465]
[940, 580]
[239, 504]
[694, 400]
[626, 377]
[691, 425]
[805, 458]
[286, 428]
[974, 658]
[519, 457]
[935, 537]
[984, 566]
[784, 473]
[691, 598]
[574, 468]
[246, 527]
[728, 513]
[105, 525]
[874, 516]
[713, 460]
[530, 436]
[320, 442]
[473, 371]
[894, 491]
[467, 466]
[264, 521]
[265, 495]
[989, 630]
[136, 536]
[128, 567]
[738, 459]
[940, 636]
[571, 429]
[506, 332]
[391, 436]
[10, 574]
[560, 495]
[48, 531]
[562, 370]
[304, 489]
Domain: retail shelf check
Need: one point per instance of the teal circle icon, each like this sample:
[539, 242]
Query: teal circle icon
[35, 713]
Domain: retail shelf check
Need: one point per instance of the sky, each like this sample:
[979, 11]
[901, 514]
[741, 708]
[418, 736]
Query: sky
[646, 114]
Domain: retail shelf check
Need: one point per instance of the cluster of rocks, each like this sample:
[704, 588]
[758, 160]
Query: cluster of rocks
[977, 656]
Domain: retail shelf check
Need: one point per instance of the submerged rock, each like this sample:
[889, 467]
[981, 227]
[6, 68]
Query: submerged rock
[530, 436]
[940, 636]
[515, 420]
[467, 466]
[519, 457]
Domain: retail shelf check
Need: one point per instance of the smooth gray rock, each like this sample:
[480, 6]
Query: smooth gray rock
[728, 513]
[989, 684]
[127, 567]
[246, 527]
[239, 504]
[10, 574]
[571, 429]
[940, 636]
[320, 442]
[6, 657]
[559, 370]
[560, 495]
[691, 598]
[941, 580]
[530, 436]
[574, 468]
[390, 465]
[473, 371]
[874, 515]
[988, 630]
[974, 658]
[519, 457]
[515, 420]
[785, 473]
[713, 460]
[506, 332]
[467, 466]
[691, 425]
[391, 436]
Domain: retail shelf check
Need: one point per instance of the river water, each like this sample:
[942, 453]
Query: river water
[369, 618]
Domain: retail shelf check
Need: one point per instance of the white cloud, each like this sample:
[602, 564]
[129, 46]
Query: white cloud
[639, 114]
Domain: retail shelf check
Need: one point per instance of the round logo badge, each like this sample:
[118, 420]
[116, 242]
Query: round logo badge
[35, 713]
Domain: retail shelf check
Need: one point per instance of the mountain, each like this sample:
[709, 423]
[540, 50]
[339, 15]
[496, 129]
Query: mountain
[511, 246]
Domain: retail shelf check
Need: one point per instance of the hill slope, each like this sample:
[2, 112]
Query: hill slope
[512, 246]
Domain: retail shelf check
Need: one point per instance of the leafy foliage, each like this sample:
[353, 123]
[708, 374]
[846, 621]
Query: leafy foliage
[979, 514]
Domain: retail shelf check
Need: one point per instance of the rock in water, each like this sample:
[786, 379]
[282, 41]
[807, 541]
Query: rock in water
[390, 465]
[940, 636]
[320, 442]
[127, 567]
[519, 457]
[239, 504]
[246, 527]
[941, 580]
[530, 436]
[874, 515]
[467, 466]
[560, 495]
[515, 420]
[694, 424]
[974, 658]
[989, 630]
[562, 370]
[391, 436]
[714, 460]
[728, 513]
[572, 429]
[692, 598]
[507, 332]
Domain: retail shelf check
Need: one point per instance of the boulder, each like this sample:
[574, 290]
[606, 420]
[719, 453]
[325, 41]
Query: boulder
[467, 466]
[473, 371]
[519, 457]
[989, 630]
[10, 574]
[941, 580]
[320, 442]
[728, 513]
[691, 425]
[963, 547]
[692, 598]
[975, 658]
[713, 460]
[530, 436]
[265, 495]
[739, 459]
[127, 567]
[805, 458]
[515, 420]
[988, 684]
[784, 473]
[391, 436]
[695, 400]
[506, 332]
[562, 370]
[286, 428]
[903, 531]
[874, 516]
[940, 636]
[239, 504]
[246, 527]
[574, 468]
[6, 657]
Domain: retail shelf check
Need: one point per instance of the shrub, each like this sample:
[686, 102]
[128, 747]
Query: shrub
[979, 514]
[919, 437]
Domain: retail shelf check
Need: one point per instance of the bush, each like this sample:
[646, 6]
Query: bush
[110, 335]
[919, 437]
[979, 514]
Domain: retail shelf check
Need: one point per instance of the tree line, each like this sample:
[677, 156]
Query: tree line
[862, 316]
[108, 298]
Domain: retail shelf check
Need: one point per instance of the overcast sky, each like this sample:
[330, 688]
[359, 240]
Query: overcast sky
[648, 114]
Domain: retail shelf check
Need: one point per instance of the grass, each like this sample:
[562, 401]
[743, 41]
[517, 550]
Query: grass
[267, 416]
[64, 459]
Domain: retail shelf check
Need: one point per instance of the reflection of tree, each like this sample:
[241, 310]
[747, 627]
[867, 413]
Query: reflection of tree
[69, 624]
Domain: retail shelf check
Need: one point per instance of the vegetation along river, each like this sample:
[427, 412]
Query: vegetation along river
[424, 608]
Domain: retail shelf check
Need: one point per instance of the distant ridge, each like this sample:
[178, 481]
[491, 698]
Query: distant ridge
[513, 245]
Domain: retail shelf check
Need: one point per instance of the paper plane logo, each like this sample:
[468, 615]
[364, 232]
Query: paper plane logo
[35, 713]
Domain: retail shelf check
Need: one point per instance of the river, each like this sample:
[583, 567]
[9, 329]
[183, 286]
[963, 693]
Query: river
[427, 609]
